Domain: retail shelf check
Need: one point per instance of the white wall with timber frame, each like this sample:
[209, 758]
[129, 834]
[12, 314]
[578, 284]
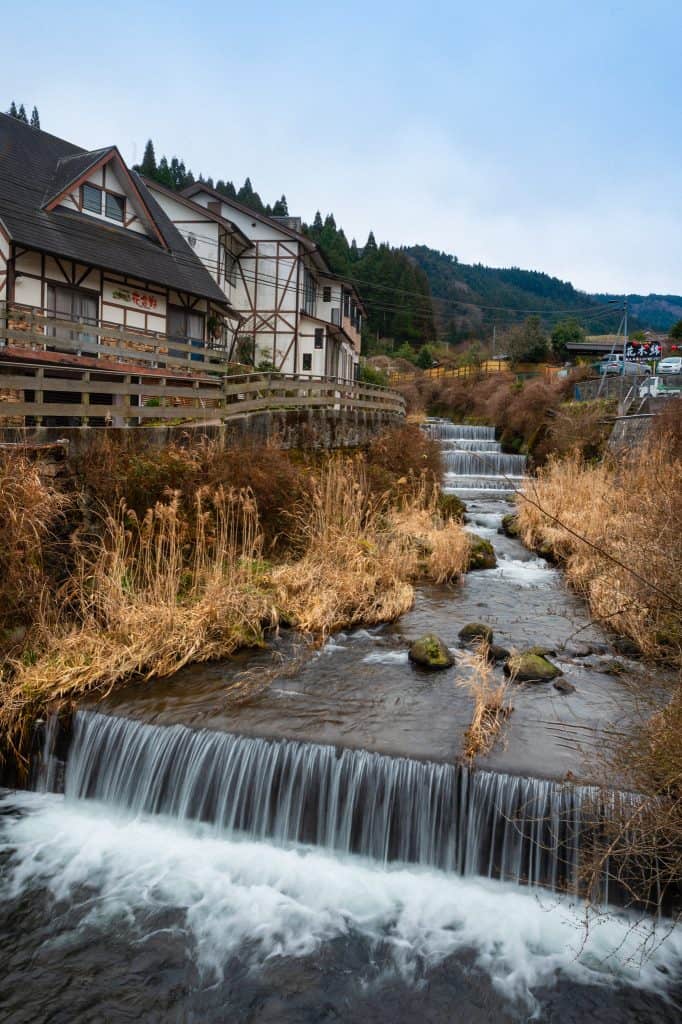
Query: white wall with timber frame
[4, 263]
[121, 300]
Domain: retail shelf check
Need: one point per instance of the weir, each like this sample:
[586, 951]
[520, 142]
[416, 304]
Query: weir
[473, 460]
[525, 830]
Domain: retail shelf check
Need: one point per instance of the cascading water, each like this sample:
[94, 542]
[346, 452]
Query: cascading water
[525, 830]
[474, 461]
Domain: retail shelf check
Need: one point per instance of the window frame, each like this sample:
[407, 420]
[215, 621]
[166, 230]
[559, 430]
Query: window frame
[104, 194]
[319, 338]
[307, 362]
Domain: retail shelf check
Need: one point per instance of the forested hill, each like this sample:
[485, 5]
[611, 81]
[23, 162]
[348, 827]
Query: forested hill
[471, 299]
[659, 312]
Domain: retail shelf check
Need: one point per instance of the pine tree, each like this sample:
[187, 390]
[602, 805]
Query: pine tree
[163, 173]
[354, 255]
[148, 165]
[21, 116]
[280, 208]
[35, 118]
[317, 223]
[371, 243]
[13, 110]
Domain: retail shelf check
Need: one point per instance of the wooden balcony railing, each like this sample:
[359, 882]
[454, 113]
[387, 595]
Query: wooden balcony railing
[39, 330]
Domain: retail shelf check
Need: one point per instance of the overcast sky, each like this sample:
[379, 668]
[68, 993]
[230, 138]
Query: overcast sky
[537, 133]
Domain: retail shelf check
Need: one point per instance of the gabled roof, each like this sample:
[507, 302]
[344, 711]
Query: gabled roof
[311, 247]
[33, 163]
[69, 170]
[207, 214]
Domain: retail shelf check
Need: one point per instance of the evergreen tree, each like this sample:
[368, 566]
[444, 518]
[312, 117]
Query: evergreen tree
[13, 110]
[148, 165]
[280, 208]
[21, 116]
[528, 343]
[317, 222]
[163, 173]
[35, 118]
[371, 243]
[676, 331]
[353, 253]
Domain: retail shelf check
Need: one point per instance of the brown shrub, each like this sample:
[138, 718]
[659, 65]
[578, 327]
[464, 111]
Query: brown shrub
[404, 454]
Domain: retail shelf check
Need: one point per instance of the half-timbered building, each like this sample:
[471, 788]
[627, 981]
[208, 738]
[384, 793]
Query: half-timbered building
[83, 240]
[297, 316]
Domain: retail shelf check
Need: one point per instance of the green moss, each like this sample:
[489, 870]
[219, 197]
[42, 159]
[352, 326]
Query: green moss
[481, 554]
[528, 667]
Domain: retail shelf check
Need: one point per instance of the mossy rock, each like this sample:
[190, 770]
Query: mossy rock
[527, 667]
[430, 652]
[539, 649]
[510, 525]
[451, 507]
[473, 632]
[496, 653]
[481, 554]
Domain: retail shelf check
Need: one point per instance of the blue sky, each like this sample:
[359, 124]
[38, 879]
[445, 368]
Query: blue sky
[538, 134]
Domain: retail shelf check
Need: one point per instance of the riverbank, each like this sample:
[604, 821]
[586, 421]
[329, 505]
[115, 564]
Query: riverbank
[236, 544]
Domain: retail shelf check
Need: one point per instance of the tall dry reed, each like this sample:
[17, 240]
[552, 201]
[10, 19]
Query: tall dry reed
[149, 599]
[615, 526]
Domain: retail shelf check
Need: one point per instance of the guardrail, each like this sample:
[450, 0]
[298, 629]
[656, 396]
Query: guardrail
[607, 386]
[56, 395]
[488, 366]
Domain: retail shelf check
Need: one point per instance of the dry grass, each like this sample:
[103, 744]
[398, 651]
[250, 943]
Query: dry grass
[492, 706]
[361, 553]
[29, 508]
[629, 512]
[148, 600]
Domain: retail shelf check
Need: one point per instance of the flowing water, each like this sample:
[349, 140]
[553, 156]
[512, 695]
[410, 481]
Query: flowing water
[321, 854]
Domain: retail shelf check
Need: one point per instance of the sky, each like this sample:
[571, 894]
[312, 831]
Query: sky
[544, 135]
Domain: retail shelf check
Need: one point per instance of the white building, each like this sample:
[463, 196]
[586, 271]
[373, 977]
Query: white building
[297, 316]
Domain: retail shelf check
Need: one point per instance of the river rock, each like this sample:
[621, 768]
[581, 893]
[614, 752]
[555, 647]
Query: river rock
[481, 554]
[510, 525]
[451, 507]
[497, 653]
[563, 686]
[430, 652]
[473, 632]
[527, 667]
[628, 648]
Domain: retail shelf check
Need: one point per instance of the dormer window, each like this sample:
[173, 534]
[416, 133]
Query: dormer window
[103, 203]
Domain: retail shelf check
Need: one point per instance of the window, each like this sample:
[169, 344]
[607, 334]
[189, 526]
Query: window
[114, 206]
[346, 304]
[75, 305]
[326, 294]
[94, 198]
[319, 337]
[309, 292]
[185, 326]
[307, 361]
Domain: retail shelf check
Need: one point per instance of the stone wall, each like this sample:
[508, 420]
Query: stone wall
[307, 429]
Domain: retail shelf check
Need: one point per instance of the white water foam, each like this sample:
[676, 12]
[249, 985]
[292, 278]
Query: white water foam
[533, 573]
[386, 657]
[267, 901]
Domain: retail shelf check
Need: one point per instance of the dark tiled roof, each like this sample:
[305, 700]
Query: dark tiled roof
[29, 167]
[69, 169]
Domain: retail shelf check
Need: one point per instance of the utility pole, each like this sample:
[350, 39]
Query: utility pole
[625, 348]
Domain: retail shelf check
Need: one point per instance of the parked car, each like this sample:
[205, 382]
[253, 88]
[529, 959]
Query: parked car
[658, 387]
[671, 364]
[616, 364]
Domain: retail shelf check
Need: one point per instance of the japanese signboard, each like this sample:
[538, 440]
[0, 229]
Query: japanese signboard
[643, 350]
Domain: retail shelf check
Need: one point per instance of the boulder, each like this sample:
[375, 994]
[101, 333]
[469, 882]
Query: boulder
[539, 649]
[497, 653]
[510, 525]
[563, 686]
[473, 632]
[527, 667]
[626, 647]
[451, 507]
[481, 554]
[430, 652]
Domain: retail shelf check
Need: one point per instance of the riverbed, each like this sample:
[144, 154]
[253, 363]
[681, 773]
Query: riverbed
[319, 852]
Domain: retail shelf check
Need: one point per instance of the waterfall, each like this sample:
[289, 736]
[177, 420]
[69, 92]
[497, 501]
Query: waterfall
[483, 463]
[474, 461]
[525, 830]
[442, 430]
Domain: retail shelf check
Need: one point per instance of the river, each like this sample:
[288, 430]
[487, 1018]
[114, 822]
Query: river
[320, 853]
